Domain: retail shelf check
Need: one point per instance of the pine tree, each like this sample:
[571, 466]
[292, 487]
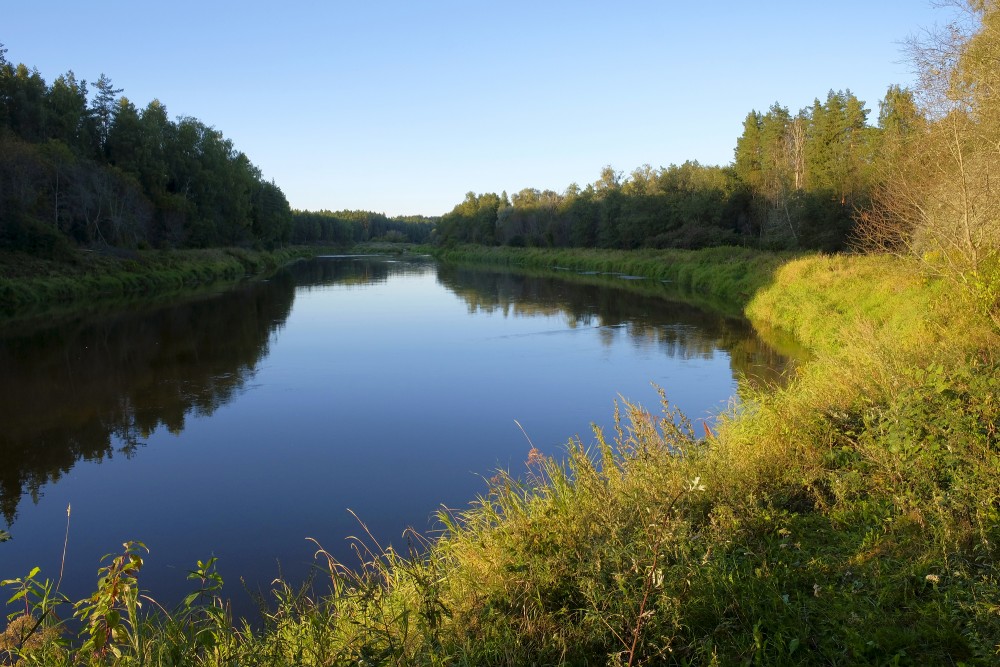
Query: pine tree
[104, 107]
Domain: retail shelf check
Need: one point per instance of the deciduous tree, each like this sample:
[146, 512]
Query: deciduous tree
[938, 198]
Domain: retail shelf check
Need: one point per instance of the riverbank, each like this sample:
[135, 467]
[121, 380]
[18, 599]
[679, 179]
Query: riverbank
[30, 284]
[730, 274]
[851, 517]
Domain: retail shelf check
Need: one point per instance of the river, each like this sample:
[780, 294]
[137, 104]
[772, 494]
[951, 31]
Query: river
[341, 390]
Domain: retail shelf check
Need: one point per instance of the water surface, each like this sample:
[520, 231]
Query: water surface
[239, 424]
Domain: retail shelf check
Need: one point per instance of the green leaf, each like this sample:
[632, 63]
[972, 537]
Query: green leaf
[792, 645]
[17, 596]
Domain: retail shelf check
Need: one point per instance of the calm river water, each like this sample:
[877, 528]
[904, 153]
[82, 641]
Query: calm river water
[238, 424]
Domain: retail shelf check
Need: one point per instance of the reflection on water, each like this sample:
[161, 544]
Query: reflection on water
[91, 390]
[650, 316]
[387, 386]
[358, 270]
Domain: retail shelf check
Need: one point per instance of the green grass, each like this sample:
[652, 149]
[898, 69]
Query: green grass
[733, 274]
[849, 518]
[31, 285]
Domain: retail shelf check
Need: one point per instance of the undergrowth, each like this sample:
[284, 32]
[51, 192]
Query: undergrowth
[851, 517]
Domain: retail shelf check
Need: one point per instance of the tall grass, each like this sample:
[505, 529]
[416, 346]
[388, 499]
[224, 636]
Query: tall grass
[851, 517]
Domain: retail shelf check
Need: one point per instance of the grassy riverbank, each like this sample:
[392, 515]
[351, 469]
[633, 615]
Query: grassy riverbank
[851, 517]
[731, 274]
[29, 283]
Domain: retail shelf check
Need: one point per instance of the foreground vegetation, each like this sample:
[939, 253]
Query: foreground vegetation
[851, 517]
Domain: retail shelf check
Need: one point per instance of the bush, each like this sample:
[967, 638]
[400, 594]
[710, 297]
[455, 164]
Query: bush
[21, 232]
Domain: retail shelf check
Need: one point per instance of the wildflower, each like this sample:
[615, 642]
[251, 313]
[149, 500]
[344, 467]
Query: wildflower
[933, 579]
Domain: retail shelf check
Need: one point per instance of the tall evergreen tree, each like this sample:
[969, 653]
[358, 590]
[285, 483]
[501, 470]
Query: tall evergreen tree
[66, 113]
[125, 138]
[104, 107]
[26, 92]
[748, 153]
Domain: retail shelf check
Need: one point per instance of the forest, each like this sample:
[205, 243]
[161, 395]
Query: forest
[796, 182]
[346, 228]
[82, 166]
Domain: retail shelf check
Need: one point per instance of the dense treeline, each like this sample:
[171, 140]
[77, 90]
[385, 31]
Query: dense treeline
[796, 182]
[350, 227]
[83, 165]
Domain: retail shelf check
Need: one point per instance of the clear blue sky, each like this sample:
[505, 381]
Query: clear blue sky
[403, 107]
